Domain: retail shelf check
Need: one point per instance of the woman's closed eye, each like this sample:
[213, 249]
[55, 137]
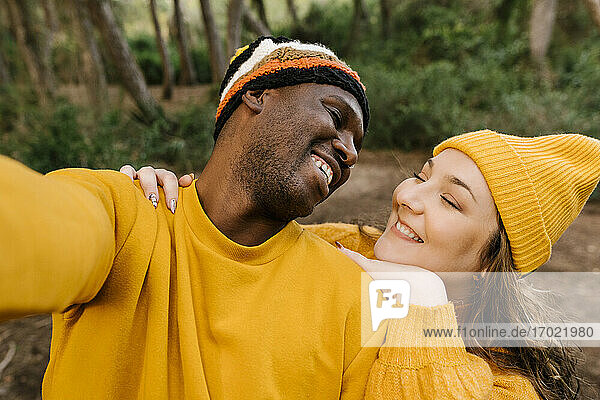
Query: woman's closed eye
[444, 198]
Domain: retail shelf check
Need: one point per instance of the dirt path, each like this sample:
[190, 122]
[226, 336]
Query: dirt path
[366, 196]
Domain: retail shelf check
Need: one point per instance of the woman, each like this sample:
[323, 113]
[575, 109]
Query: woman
[485, 202]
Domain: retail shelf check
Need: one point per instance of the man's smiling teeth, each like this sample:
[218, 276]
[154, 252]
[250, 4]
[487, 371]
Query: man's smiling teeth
[323, 166]
[408, 232]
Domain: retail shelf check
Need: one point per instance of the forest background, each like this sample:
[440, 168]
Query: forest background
[101, 83]
[432, 69]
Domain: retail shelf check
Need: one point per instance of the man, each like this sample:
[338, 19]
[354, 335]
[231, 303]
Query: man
[228, 298]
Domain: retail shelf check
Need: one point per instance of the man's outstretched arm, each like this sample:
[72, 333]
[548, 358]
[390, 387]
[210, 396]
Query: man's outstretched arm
[57, 238]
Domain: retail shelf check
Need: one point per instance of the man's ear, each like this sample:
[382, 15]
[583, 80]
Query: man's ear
[253, 99]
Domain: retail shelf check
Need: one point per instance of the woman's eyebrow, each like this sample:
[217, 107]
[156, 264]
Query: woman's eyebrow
[456, 181]
[453, 179]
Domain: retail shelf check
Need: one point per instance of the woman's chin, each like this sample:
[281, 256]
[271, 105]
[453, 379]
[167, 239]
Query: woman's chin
[385, 251]
[379, 248]
[390, 252]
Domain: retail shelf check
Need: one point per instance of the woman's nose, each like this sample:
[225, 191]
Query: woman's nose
[410, 198]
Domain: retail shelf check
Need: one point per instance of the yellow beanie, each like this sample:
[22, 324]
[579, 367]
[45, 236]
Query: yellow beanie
[539, 184]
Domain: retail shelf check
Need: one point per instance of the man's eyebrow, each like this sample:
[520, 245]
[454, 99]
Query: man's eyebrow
[455, 180]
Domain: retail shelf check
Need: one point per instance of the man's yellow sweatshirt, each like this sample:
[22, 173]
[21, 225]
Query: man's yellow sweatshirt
[150, 305]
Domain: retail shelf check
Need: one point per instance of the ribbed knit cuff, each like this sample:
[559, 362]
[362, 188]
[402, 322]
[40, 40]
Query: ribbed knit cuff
[513, 192]
[408, 346]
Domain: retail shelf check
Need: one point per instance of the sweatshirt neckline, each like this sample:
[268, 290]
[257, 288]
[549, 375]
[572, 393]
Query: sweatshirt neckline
[207, 233]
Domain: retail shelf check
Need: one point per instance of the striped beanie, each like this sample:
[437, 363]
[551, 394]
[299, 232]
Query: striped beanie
[269, 63]
[539, 184]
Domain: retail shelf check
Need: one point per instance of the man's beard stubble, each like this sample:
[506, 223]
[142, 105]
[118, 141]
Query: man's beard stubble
[273, 183]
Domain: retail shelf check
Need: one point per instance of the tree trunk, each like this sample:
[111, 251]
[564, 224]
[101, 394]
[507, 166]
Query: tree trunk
[542, 20]
[293, 12]
[594, 8]
[94, 76]
[127, 68]
[218, 61]
[5, 77]
[51, 17]
[262, 13]
[386, 28]
[234, 26]
[47, 42]
[4, 73]
[43, 39]
[19, 23]
[359, 20]
[167, 89]
[254, 24]
[188, 75]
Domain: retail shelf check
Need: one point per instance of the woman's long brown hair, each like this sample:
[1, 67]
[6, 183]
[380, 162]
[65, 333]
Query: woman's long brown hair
[505, 297]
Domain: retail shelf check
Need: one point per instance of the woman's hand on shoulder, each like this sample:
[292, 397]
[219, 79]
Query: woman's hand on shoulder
[426, 287]
[150, 178]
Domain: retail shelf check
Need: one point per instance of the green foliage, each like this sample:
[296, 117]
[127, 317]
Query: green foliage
[147, 56]
[67, 53]
[447, 67]
[201, 60]
[10, 56]
[183, 144]
[55, 140]
[64, 135]
[406, 102]
[441, 33]
[10, 109]
[455, 66]
[327, 24]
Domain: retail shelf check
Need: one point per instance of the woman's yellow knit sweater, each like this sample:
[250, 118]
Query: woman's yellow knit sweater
[443, 369]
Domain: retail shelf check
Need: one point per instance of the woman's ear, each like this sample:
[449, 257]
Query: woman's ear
[253, 99]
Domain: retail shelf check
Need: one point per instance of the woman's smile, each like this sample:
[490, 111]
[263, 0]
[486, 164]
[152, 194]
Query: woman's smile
[405, 232]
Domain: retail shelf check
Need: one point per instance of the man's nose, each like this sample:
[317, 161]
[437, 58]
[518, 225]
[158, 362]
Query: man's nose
[344, 146]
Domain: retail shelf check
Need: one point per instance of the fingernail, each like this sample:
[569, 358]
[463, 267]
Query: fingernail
[193, 176]
[338, 245]
[173, 205]
[153, 199]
